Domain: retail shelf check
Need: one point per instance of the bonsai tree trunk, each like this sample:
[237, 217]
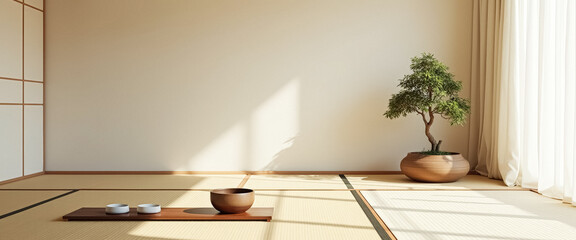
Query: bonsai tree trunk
[431, 139]
[429, 123]
[438, 145]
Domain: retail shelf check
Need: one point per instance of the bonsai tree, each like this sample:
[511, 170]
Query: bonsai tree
[429, 91]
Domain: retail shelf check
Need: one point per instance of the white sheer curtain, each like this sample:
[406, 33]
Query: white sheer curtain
[531, 126]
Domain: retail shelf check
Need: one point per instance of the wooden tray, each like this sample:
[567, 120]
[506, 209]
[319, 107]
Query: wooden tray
[171, 214]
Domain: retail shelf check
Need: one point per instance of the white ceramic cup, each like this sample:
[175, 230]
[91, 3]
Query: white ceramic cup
[117, 208]
[149, 208]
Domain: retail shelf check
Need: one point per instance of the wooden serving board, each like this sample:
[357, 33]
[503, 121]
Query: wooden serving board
[171, 214]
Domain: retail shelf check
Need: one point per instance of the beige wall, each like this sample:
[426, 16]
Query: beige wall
[21, 88]
[242, 85]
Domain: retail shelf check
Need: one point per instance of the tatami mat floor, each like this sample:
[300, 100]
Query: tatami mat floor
[14, 200]
[295, 182]
[306, 206]
[54, 181]
[401, 182]
[461, 215]
[298, 215]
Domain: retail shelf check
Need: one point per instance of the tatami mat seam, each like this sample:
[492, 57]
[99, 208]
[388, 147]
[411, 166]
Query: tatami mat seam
[377, 226]
[37, 204]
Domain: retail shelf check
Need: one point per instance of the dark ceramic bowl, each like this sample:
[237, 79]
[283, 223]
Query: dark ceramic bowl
[232, 200]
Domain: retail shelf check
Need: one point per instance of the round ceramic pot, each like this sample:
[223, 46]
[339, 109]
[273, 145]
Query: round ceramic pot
[232, 200]
[434, 168]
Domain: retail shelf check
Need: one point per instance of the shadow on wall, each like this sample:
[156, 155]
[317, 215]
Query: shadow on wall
[356, 125]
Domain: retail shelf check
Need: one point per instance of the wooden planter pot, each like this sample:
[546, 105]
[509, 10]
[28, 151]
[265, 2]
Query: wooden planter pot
[434, 168]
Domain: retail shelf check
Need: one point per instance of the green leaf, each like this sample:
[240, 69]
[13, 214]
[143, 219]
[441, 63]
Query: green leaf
[429, 86]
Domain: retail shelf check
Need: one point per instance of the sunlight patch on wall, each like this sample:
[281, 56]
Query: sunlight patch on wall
[274, 125]
[255, 141]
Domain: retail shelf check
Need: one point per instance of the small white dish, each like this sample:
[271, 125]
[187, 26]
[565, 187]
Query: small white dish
[117, 208]
[149, 208]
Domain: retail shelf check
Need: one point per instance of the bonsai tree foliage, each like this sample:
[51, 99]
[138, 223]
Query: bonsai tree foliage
[429, 91]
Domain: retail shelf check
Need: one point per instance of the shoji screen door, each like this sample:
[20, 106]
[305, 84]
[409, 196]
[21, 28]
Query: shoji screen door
[21, 88]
